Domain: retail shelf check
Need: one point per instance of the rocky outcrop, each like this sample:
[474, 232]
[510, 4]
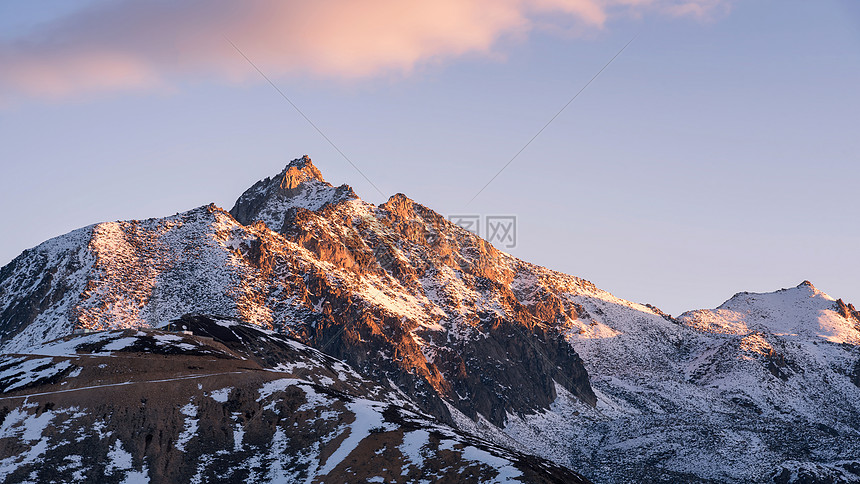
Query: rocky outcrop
[847, 311]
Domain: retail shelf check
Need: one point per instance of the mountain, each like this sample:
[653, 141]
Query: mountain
[226, 402]
[396, 290]
[764, 388]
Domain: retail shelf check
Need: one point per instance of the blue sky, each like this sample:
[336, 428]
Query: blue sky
[718, 153]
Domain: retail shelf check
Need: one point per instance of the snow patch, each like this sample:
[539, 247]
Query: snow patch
[221, 395]
[191, 425]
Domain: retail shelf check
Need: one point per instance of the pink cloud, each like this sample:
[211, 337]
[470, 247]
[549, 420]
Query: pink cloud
[134, 45]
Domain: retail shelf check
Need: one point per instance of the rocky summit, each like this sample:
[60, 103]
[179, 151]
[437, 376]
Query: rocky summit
[306, 335]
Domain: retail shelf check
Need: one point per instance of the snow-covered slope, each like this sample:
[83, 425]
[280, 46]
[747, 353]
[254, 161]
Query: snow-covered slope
[127, 274]
[40, 289]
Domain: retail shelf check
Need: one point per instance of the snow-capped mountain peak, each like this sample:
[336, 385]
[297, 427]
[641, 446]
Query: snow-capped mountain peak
[298, 171]
[802, 311]
[299, 185]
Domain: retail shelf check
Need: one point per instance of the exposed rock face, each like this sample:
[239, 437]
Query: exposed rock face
[229, 404]
[468, 355]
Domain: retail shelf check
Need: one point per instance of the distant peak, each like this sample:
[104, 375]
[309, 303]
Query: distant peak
[807, 289]
[299, 171]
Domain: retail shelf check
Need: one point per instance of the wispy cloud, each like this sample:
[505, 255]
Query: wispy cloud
[133, 45]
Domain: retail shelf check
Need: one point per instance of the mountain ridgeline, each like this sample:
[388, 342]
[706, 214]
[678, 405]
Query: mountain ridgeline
[524, 360]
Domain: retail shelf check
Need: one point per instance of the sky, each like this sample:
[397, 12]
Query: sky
[718, 153]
